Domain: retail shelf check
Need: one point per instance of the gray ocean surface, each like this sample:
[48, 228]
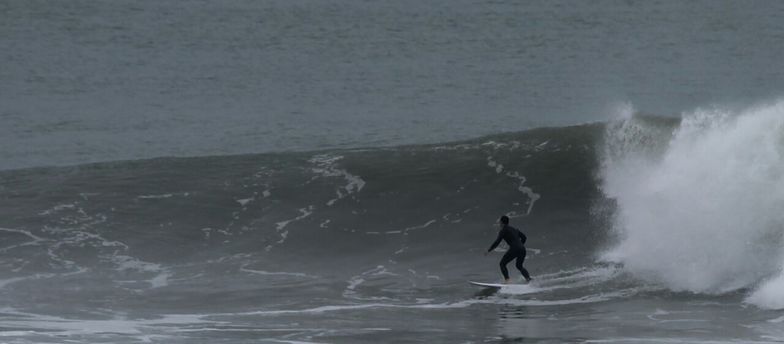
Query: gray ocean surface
[86, 81]
[378, 245]
[332, 171]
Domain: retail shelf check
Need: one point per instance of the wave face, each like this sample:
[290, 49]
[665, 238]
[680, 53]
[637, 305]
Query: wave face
[241, 227]
[699, 206]
[682, 205]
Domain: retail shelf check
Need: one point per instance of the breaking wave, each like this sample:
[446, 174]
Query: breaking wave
[699, 205]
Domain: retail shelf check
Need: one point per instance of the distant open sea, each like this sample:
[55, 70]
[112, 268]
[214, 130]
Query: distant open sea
[88, 81]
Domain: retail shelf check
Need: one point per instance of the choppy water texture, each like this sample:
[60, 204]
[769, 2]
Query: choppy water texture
[352, 246]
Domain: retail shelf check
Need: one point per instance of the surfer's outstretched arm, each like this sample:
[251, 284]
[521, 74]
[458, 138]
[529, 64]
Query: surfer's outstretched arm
[497, 241]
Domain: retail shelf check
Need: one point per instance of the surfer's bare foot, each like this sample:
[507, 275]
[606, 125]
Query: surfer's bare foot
[506, 281]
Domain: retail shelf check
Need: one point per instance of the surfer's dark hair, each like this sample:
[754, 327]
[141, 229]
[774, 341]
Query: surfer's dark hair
[505, 219]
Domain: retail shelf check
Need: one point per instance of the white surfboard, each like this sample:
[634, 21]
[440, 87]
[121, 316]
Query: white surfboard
[511, 288]
[491, 285]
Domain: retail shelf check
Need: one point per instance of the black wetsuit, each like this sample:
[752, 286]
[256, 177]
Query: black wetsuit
[515, 239]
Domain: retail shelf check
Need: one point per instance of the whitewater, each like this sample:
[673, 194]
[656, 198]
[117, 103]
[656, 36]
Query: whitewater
[704, 215]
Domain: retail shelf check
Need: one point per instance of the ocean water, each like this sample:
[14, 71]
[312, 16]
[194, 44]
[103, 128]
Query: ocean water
[331, 172]
[641, 229]
[89, 81]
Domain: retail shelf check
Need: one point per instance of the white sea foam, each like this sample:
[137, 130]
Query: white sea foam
[8, 281]
[79, 237]
[520, 289]
[451, 305]
[274, 273]
[527, 191]
[542, 145]
[58, 208]
[325, 167]
[501, 145]
[704, 215]
[162, 275]
[495, 165]
[161, 196]
[164, 196]
[448, 217]
[571, 279]
[422, 226]
[579, 277]
[160, 280]
[280, 226]
[47, 325]
[35, 240]
[355, 281]
[770, 294]
[244, 201]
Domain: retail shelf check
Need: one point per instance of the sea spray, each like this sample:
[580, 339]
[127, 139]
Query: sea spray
[703, 214]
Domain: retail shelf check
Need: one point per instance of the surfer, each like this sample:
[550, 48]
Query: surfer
[516, 240]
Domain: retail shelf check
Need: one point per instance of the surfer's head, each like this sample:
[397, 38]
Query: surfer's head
[504, 220]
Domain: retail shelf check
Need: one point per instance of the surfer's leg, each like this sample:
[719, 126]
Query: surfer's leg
[505, 260]
[519, 266]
